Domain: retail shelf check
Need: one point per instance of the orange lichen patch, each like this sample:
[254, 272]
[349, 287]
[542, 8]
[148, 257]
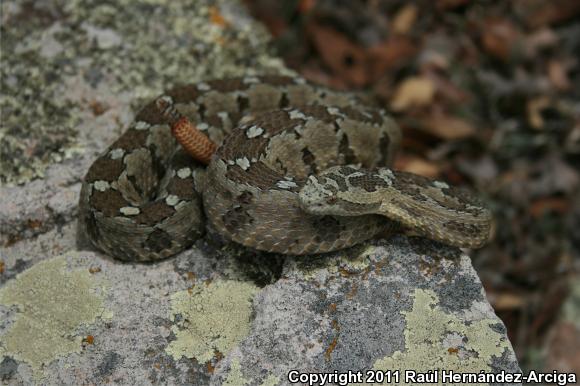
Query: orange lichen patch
[366, 272]
[2, 266]
[97, 107]
[209, 367]
[196, 143]
[331, 348]
[34, 224]
[452, 350]
[380, 265]
[332, 307]
[335, 325]
[95, 269]
[353, 291]
[346, 272]
[89, 339]
[215, 17]
[12, 239]
[191, 276]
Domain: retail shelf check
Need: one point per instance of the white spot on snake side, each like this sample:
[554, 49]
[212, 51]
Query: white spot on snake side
[296, 114]
[286, 184]
[203, 86]
[440, 185]
[141, 125]
[184, 172]
[202, 126]
[387, 175]
[366, 114]
[101, 186]
[116, 153]
[254, 131]
[250, 80]
[244, 163]
[171, 200]
[299, 81]
[129, 211]
[334, 111]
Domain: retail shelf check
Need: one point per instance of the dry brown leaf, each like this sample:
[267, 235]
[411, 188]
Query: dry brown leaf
[393, 53]
[555, 204]
[305, 6]
[538, 13]
[414, 91]
[500, 37]
[572, 143]
[446, 88]
[405, 18]
[450, 4]
[563, 351]
[448, 127]
[346, 59]
[506, 301]
[540, 40]
[418, 165]
[535, 107]
[558, 75]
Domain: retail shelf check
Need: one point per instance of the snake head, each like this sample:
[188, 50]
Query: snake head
[317, 196]
[320, 196]
[342, 191]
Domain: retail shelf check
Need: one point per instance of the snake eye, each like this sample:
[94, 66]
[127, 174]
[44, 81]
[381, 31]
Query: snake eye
[331, 199]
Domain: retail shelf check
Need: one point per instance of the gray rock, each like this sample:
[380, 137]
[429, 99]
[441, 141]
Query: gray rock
[73, 74]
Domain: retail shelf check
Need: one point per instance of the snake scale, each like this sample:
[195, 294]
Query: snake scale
[300, 170]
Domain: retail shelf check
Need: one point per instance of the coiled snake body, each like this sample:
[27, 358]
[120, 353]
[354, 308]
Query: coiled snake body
[300, 170]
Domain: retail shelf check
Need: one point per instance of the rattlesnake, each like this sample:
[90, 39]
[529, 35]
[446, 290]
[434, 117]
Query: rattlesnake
[300, 170]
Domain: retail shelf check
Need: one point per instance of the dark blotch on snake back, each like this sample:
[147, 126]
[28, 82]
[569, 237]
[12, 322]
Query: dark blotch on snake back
[105, 169]
[158, 241]
[154, 213]
[108, 202]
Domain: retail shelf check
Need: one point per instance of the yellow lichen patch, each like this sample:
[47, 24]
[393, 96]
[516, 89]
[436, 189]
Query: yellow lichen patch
[428, 326]
[212, 317]
[52, 304]
[235, 376]
[271, 380]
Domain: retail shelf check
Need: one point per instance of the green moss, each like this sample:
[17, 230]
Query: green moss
[211, 318]
[52, 304]
[435, 339]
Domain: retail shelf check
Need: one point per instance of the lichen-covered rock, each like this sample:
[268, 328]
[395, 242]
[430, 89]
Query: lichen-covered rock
[218, 315]
[73, 74]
